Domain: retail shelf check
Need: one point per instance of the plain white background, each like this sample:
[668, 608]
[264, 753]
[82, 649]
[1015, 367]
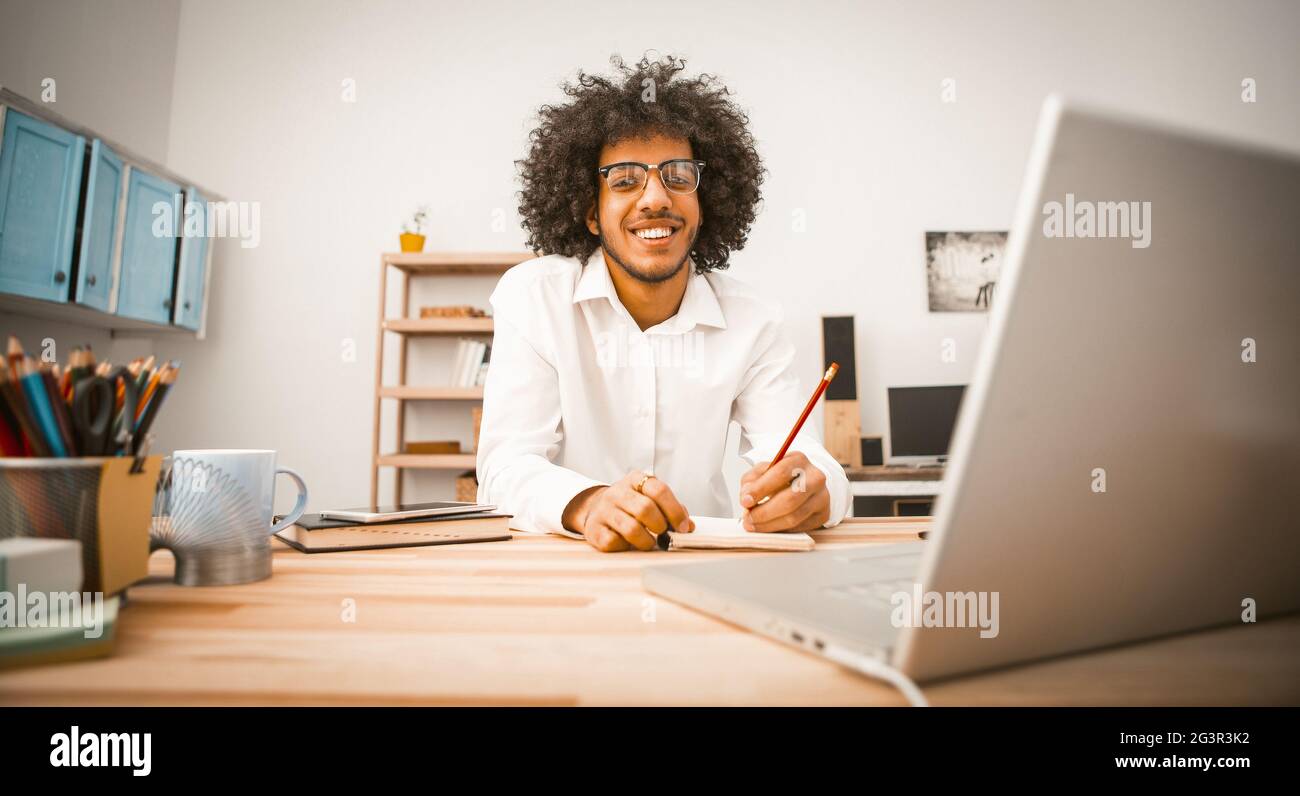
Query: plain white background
[844, 98]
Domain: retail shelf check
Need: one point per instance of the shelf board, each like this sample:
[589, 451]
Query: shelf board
[426, 326]
[456, 262]
[428, 461]
[68, 312]
[408, 393]
[876, 472]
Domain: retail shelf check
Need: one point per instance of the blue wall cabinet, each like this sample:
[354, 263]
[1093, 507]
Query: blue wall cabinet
[148, 248]
[191, 278]
[40, 185]
[99, 227]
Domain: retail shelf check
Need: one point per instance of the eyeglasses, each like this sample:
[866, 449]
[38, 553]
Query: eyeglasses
[681, 175]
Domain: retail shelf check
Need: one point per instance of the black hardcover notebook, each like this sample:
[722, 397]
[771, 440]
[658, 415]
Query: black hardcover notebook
[311, 534]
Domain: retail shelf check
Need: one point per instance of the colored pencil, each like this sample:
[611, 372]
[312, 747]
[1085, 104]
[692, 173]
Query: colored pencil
[165, 383]
[15, 354]
[38, 398]
[10, 441]
[64, 377]
[59, 407]
[11, 431]
[146, 393]
[13, 393]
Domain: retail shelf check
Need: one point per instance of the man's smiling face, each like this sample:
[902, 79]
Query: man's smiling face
[632, 225]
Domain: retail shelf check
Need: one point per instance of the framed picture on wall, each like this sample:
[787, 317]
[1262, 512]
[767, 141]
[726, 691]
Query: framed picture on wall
[961, 269]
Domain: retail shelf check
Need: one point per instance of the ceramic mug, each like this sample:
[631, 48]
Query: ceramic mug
[255, 472]
[220, 531]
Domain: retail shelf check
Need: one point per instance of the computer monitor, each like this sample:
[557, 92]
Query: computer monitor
[921, 420]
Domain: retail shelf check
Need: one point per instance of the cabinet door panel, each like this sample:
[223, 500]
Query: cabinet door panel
[99, 227]
[148, 249]
[40, 184]
[194, 251]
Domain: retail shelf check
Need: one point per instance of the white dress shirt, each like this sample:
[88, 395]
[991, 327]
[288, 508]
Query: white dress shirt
[577, 395]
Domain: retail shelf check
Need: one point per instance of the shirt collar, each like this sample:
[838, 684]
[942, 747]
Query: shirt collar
[699, 304]
[594, 280]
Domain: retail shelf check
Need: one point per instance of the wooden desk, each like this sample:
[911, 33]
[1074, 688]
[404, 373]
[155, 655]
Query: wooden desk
[551, 621]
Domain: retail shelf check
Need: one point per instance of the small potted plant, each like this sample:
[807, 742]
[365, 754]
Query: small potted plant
[413, 231]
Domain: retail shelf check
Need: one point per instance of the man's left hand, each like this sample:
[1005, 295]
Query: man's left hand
[799, 499]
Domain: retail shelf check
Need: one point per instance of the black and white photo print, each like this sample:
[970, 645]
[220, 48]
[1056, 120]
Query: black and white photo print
[961, 269]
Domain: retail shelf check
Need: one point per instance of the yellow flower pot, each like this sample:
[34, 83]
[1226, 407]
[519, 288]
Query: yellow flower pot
[412, 242]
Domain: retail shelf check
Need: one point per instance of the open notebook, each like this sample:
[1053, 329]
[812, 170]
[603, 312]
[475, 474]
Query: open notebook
[726, 533]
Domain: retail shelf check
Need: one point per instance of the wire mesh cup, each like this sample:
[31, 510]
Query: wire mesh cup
[102, 502]
[213, 511]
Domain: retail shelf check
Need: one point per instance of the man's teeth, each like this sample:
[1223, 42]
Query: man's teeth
[657, 232]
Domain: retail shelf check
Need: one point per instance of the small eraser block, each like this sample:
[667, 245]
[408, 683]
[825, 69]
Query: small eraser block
[45, 565]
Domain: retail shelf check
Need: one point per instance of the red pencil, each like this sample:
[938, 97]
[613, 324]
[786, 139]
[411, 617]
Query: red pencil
[807, 410]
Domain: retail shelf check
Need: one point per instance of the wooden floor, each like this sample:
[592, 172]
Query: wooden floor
[551, 621]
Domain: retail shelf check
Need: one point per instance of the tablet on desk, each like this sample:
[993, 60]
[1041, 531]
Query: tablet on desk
[408, 511]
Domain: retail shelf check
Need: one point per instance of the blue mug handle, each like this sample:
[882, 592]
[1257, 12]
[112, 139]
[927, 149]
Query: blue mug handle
[298, 508]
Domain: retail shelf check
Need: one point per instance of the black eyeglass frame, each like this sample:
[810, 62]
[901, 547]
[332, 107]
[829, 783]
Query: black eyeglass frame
[699, 167]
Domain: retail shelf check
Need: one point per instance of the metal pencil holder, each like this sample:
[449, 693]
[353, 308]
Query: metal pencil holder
[97, 501]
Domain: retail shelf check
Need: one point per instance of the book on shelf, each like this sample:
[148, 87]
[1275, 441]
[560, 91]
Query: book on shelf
[453, 311]
[458, 362]
[467, 486]
[432, 447]
[481, 375]
[469, 367]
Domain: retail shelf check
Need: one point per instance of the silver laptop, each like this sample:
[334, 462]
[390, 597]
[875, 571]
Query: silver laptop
[1126, 463]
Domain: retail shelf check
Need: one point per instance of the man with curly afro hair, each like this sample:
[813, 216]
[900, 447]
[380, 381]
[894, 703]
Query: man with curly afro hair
[621, 357]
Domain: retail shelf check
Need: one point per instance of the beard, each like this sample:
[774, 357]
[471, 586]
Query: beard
[640, 274]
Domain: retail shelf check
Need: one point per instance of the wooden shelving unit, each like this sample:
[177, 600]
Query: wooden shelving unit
[425, 264]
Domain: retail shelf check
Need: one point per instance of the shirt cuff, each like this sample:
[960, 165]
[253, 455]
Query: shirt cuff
[841, 495]
[553, 495]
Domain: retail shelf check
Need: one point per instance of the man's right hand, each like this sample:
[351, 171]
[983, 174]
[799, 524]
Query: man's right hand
[617, 517]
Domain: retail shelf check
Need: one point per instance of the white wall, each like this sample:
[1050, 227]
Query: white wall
[844, 100]
[112, 63]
